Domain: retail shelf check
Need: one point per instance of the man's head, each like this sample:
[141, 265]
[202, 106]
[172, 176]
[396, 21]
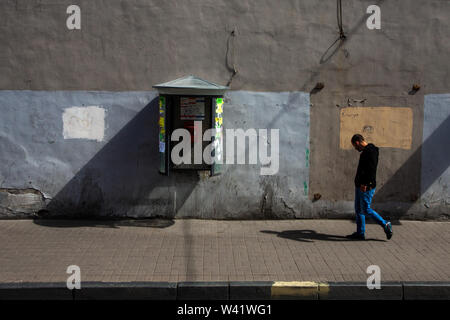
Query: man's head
[358, 142]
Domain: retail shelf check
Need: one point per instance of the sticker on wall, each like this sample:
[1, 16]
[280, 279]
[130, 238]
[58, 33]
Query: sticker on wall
[219, 105]
[218, 122]
[384, 126]
[162, 146]
[218, 138]
[84, 123]
[161, 125]
[162, 135]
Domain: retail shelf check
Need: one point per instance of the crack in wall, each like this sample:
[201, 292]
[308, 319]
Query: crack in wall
[292, 211]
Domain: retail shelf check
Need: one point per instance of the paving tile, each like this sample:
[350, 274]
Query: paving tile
[200, 250]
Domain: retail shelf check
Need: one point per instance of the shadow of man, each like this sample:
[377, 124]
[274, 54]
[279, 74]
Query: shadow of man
[310, 235]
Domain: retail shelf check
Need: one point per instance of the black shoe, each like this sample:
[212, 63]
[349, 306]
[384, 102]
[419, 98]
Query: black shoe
[356, 236]
[388, 230]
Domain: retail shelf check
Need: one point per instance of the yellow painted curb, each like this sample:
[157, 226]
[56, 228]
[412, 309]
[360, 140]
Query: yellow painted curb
[324, 288]
[282, 289]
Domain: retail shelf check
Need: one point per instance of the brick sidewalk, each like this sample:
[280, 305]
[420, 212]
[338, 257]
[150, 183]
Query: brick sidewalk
[205, 250]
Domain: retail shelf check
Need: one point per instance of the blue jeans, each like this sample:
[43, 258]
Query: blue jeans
[362, 208]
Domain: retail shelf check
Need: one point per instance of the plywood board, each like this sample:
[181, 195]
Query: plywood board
[388, 127]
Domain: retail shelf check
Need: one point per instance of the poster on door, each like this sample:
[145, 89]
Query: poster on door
[192, 108]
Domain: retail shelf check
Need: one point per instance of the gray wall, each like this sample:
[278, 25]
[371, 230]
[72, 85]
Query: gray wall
[125, 47]
[119, 176]
[435, 153]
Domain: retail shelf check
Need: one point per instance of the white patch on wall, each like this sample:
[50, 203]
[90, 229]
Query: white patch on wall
[84, 123]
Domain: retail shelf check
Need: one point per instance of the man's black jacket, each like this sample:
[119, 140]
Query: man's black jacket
[367, 167]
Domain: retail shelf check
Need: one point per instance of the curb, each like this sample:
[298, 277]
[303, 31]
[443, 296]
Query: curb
[360, 291]
[293, 290]
[246, 290]
[238, 290]
[35, 291]
[426, 291]
[126, 291]
[203, 291]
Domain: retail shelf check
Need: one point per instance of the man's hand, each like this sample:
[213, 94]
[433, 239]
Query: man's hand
[363, 188]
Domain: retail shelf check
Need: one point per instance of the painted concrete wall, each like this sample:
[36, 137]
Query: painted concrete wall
[36, 156]
[435, 152]
[125, 47]
[59, 171]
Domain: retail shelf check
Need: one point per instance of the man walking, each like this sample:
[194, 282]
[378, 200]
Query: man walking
[365, 183]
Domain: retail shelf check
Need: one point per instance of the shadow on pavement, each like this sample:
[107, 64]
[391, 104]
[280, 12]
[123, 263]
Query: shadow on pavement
[72, 223]
[310, 235]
